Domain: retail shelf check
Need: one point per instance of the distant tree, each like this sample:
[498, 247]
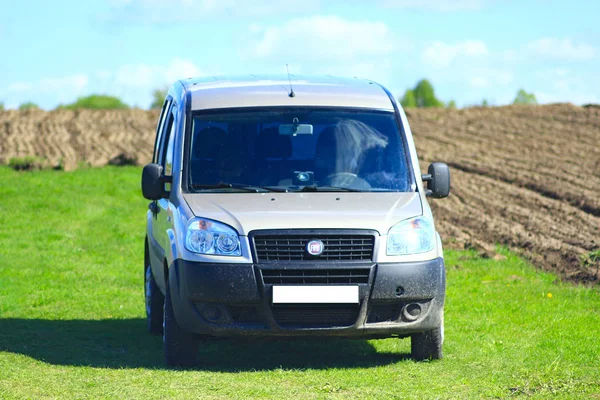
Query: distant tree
[524, 98]
[485, 103]
[158, 97]
[97, 102]
[422, 95]
[409, 100]
[451, 104]
[425, 95]
[1, 106]
[29, 106]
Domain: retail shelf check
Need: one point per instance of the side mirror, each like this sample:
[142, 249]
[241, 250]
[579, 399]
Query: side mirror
[153, 182]
[438, 180]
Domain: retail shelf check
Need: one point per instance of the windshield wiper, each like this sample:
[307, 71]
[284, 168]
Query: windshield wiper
[329, 189]
[247, 188]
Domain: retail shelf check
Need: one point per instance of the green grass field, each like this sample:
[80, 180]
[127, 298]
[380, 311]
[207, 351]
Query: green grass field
[72, 318]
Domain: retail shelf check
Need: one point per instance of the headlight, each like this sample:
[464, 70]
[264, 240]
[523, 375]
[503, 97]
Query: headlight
[415, 235]
[210, 237]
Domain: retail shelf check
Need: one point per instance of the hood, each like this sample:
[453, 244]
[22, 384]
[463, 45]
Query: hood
[246, 212]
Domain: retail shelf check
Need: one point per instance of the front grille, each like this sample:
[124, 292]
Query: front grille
[297, 276]
[337, 247]
[317, 317]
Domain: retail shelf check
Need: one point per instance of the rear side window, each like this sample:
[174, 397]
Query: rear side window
[168, 164]
[160, 129]
[164, 155]
[165, 135]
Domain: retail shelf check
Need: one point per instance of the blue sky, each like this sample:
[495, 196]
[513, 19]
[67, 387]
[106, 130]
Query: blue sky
[52, 52]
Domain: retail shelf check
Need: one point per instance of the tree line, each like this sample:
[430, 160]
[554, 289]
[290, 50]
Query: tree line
[94, 101]
[421, 96]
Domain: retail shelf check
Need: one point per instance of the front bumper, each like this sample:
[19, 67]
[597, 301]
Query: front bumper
[234, 300]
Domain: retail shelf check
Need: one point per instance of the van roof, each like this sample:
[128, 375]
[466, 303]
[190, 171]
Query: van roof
[258, 91]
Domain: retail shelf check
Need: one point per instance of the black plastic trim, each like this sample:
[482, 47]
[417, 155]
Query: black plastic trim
[197, 288]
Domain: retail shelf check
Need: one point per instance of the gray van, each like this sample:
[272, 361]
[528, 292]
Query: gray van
[290, 208]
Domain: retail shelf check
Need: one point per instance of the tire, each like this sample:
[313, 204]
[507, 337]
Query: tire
[154, 303]
[428, 345]
[180, 347]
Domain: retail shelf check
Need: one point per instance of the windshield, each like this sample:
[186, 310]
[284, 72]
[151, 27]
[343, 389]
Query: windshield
[297, 149]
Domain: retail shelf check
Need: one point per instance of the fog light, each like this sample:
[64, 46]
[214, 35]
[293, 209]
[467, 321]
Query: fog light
[411, 312]
[211, 313]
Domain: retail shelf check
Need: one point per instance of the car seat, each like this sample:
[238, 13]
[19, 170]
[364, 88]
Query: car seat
[272, 152]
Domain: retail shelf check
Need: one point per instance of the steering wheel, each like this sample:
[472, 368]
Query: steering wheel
[349, 180]
[342, 178]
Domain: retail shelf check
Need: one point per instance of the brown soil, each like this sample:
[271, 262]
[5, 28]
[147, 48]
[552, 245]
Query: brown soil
[70, 138]
[524, 177]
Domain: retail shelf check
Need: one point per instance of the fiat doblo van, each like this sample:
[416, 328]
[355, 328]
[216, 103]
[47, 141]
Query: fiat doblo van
[290, 208]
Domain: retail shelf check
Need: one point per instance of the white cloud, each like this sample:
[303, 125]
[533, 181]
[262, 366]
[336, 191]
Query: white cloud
[439, 54]
[75, 83]
[164, 12]
[562, 96]
[19, 87]
[321, 38]
[379, 71]
[138, 75]
[151, 76]
[563, 82]
[560, 85]
[67, 84]
[181, 69]
[561, 49]
[436, 5]
[291, 7]
[509, 56]
[479, 81]
[133, 83]
[551, 74]
[489, 77]
[60, 89]
[102, 74]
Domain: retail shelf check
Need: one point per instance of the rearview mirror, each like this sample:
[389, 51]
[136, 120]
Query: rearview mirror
[438, 180]
[295, 129]
[153, 182]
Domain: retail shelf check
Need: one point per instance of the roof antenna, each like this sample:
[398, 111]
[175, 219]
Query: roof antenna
[291, 94]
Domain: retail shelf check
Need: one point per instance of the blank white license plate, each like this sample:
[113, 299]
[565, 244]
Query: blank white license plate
[315, 294]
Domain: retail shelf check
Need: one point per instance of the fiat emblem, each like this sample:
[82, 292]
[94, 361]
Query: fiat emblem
[315, 247]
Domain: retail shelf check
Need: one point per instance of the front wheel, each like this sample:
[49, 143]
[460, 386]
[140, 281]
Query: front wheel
[427, 345]
[154, 302]
[180, 346]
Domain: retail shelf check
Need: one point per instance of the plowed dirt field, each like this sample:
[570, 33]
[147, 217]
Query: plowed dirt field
[524, 177]
[69, 138]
